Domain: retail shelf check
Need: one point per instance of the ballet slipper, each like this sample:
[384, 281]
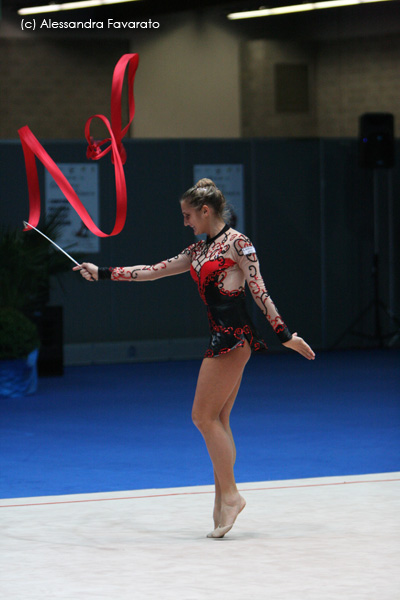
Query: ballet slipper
[216, 517]
[219, 531]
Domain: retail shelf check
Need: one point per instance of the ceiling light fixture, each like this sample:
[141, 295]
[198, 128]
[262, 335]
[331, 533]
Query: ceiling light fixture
[282, 10]
[34, 10]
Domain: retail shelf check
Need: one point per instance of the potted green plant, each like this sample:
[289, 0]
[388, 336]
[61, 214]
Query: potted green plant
[19, 343]
[27, 262]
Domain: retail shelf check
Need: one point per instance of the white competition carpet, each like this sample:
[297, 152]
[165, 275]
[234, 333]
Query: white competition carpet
[310, 539]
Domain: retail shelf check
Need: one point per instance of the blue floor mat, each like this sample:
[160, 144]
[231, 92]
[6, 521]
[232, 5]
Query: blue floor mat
[124, 427]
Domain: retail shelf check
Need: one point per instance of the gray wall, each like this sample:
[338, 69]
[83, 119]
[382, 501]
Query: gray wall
[346, 77]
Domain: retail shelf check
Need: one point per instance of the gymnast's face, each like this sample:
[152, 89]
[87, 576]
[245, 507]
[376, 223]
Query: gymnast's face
[196, 219]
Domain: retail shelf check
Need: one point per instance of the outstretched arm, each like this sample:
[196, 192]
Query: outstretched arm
[172, 266]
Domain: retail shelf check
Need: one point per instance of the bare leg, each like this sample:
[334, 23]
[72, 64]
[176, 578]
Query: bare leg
[218, 382]
[224, 418]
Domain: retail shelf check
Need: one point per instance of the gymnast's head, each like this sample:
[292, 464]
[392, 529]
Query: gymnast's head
[205, 195]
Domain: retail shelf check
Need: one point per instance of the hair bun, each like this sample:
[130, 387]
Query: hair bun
[206, 192]
[204, 183]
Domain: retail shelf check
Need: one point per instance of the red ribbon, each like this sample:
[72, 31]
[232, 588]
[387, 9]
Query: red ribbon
[33, 149]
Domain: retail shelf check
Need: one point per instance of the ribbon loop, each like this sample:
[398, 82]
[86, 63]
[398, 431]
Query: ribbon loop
[33, 149]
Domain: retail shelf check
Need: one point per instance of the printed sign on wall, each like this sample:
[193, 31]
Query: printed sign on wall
[74, 235]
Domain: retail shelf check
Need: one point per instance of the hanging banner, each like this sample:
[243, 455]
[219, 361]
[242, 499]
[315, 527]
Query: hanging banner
[73, 233]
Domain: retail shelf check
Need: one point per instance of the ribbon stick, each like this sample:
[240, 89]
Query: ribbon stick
[33, 149]
[29, 226]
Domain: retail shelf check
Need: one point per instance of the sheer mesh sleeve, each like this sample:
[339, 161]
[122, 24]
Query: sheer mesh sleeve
[247, 261]
[172, 266]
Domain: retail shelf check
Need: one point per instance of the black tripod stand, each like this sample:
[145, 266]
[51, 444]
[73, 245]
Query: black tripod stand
[376, 306]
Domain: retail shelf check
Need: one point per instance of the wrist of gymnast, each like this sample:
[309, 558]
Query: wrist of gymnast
[284, 335]
[104, 273]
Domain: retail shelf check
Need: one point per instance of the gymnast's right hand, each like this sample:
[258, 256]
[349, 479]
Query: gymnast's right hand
[89, 271]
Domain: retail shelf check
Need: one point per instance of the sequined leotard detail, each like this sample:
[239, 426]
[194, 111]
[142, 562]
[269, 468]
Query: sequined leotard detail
[220, 266]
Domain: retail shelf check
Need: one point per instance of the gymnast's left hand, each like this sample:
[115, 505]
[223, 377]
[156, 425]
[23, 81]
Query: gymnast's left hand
[89, 271]
[299, 345]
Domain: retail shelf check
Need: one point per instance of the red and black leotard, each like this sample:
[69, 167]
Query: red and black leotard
[220, 266]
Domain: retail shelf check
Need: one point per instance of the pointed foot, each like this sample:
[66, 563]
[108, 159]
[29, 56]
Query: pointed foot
[219, 532]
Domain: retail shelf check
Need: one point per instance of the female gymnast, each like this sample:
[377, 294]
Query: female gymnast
[220, 265]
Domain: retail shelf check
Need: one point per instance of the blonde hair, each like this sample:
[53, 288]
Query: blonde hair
[206, 192]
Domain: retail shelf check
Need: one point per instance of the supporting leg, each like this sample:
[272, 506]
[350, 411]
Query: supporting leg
[225, 420]
[217, 387]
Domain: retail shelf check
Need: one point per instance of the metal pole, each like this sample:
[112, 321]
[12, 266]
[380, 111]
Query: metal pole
[375, 267]
[391, 246]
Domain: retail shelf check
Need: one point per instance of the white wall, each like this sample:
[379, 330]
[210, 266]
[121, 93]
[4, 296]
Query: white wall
[187, 84]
